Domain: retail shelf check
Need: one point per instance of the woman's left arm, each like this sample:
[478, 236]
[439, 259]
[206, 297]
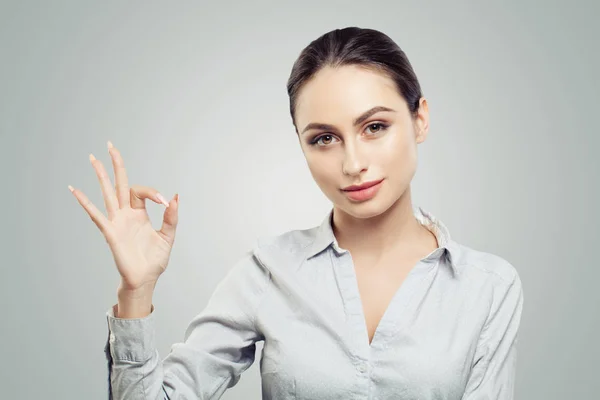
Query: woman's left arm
[493, 372]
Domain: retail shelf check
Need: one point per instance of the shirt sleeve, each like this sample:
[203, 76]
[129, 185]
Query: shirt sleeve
[493, 372]
[219, 344]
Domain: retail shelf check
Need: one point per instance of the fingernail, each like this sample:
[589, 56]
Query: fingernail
[92, 158]
[162, 199]
[177, 198]
[110, 145]
[71, 188]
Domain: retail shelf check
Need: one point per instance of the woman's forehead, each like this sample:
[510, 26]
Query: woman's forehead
[341, 94]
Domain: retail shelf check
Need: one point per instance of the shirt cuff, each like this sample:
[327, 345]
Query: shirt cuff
[131, 339]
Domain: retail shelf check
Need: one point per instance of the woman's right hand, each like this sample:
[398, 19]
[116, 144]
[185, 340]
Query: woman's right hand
[141, 253]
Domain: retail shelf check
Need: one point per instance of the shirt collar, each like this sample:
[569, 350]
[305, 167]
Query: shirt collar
[324, 238]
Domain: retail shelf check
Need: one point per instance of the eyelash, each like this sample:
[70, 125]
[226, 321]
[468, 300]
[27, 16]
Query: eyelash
[314, 141]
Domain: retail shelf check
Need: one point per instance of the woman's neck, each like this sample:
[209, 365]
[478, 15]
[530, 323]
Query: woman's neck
[395, 231]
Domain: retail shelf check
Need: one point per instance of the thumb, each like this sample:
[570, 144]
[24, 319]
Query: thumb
[139, 194]
[170, 219]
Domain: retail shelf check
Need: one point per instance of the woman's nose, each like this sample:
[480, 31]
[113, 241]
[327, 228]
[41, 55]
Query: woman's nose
[354, 162]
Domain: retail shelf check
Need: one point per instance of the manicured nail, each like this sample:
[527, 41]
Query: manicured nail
[92, 158]
[110, 145]
[71, 188]
[162, 199]
[177, 198]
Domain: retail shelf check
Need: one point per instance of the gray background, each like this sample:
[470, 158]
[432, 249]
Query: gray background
[193, 94]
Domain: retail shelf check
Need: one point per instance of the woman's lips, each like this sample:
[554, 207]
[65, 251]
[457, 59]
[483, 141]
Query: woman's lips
[363, 194]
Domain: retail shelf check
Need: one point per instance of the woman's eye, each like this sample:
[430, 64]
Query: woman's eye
[324, 143]
[382, 126]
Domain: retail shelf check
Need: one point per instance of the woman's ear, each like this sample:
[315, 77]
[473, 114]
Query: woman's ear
[422, 121]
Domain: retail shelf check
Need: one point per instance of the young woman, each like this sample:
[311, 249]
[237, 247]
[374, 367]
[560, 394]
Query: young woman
[377, 302]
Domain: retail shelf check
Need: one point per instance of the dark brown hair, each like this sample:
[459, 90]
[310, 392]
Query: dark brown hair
[363, 47]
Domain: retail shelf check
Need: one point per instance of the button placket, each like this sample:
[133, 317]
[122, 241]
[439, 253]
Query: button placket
[362, 368]
[355, 334]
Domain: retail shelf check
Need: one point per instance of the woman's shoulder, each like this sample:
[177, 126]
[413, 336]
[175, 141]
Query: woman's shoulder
[487, 265]
[283, 251]
[292, 240]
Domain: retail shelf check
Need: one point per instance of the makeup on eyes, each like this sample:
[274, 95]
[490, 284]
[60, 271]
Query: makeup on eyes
[383, 127]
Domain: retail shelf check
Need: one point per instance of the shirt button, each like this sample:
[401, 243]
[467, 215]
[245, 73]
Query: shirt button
[112, 338]
[362, 368]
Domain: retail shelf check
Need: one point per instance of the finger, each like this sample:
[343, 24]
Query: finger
[110, 198]
[99, 219]
[170, 219]
[121, 182]
[139, 193]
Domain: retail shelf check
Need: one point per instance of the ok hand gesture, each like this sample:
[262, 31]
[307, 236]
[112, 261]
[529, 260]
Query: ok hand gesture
[141, 253]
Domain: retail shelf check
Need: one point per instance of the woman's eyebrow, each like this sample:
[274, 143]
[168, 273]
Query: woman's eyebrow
[359, 120]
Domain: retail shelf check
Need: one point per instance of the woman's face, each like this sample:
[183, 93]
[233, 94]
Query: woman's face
[342, 149]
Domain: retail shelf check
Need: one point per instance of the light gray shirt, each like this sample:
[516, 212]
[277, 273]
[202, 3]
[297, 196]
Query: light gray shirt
[450, 331]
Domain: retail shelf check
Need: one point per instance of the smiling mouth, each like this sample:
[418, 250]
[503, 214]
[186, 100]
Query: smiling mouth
[363, 194]
[367, 185]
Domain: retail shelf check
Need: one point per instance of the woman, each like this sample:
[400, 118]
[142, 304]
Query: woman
[377, 302]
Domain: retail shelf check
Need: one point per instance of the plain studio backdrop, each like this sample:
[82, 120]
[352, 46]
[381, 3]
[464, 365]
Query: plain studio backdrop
[193, 94]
